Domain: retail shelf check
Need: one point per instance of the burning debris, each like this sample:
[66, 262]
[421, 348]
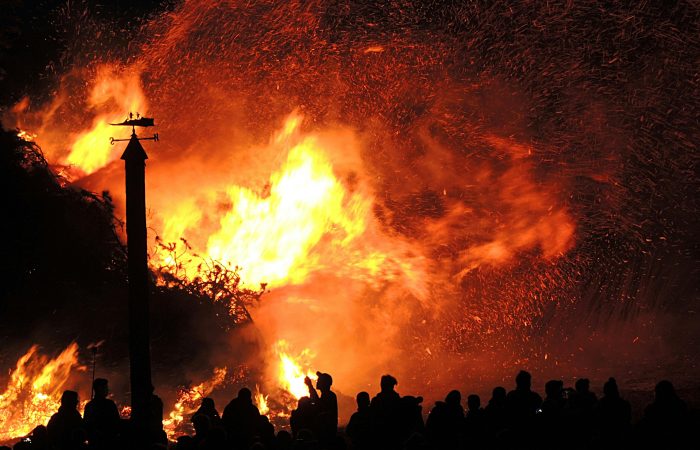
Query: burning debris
[34, 390]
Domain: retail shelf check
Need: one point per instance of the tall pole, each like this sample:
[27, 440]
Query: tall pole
[139, 336]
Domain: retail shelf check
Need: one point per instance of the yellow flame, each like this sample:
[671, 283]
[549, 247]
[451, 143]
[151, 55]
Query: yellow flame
[261, 401]
[271, 238]
[34, 390]
[26, 135]
[291, 374]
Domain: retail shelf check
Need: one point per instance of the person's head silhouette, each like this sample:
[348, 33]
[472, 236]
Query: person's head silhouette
[583, 385]
[664, 391]
[453, 398]
[101, 387]
[362, 401]
[523, 380]
[69, 399]
[324, 381]
[610, 388]
[245, 395]
[387, 383]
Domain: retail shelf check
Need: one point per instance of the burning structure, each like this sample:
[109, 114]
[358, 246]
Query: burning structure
[461, 189]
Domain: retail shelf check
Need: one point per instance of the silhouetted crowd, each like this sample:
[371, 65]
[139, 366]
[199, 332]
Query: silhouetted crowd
[567, 418]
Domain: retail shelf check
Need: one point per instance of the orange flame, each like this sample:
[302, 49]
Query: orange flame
[91, 150]
[304, 220]
[34, 390]
[188, 401]
[114, 92]
[261, 401]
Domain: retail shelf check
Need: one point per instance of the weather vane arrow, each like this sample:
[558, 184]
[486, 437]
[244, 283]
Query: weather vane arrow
[133, 123]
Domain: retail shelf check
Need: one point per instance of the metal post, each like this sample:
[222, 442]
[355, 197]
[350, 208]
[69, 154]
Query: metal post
[139, 336]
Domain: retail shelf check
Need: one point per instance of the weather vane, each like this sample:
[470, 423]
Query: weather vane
[132, 122]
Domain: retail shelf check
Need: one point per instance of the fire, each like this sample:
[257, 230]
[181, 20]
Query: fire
[26, 135]
[305, 220]
[261, 401]
[395, 186]
[125, 412]
[291, 371]
[34, 390]
[118, 93]
[188, 401]
[81, 141]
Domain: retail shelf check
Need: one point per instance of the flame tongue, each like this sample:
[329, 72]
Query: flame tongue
[292, 370]
[261, 401]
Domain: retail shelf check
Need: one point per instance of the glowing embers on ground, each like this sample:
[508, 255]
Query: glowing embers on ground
[188, 401]
[34, 390]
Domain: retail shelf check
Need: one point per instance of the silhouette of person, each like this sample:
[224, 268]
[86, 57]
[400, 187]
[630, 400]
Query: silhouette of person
[202, 426]
[266, 432]
[522, 404]
[302, 417]
[359, 426]
[583, 398]
[474, 423]
[496, 411]
[283, 440]
[101, 417]
[665, 420]
[326, 405]
[613, 415]
[156, 426]
[410, 417]
[384, 413]
[444, 422]
[241, 419]
[66, 423]
[216, 440]
[581, 404]
[551, 420]
[208, 408]
[40, 438]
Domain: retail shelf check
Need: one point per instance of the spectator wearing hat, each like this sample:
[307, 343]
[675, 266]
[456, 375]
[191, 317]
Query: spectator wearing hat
[326, 405]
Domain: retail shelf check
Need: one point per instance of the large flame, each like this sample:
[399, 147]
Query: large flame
[304, 221]
[34, 390]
